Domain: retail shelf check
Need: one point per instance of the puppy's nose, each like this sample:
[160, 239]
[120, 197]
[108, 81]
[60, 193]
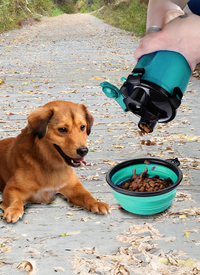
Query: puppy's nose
[82, 151]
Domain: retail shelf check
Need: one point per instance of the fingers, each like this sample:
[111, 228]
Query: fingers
[172, 14]
[151, 42]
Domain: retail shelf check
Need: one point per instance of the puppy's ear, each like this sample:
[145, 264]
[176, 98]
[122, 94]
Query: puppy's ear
[39, 119]
[89, 119]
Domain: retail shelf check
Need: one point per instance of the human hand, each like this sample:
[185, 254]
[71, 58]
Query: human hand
[180, 35]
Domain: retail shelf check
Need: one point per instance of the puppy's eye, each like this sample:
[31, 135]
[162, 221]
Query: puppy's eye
[62, 130]
[82, 127]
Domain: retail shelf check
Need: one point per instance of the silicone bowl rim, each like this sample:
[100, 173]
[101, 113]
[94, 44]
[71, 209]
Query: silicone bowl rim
[166, 163]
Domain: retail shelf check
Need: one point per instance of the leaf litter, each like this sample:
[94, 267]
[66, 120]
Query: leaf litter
[141, 256]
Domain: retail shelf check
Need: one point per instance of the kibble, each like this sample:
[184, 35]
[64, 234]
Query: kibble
[148, 142]
[145, 128]
[142, 182]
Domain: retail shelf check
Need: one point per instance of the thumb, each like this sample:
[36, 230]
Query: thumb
[172, 14]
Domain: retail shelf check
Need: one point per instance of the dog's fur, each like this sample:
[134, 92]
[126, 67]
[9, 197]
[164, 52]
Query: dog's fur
[39, 162]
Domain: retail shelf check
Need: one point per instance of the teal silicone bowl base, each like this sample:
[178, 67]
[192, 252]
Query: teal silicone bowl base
[145, 205]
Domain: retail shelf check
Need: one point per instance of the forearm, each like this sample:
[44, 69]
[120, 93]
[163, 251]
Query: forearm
[180, 3]
[160, 12]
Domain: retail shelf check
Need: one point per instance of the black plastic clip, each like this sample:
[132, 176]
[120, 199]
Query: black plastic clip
[132, 81]
[174, 161]
[136, 75]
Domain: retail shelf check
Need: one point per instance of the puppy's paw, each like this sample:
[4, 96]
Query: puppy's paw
[100, 208]
[12, 214]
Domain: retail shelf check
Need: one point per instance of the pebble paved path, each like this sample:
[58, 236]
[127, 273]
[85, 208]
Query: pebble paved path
[66, 58]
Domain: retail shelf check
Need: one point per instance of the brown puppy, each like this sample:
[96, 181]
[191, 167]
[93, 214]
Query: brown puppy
[39, 162]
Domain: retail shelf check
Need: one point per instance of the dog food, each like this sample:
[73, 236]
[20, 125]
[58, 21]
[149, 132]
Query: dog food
[147, 142]
[145, 128]
[143, 183]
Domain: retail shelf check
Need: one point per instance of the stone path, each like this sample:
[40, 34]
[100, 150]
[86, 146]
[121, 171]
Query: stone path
[66, 58]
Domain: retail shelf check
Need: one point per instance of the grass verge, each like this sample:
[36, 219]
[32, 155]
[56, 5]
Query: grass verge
[129, 15]
[12, 12]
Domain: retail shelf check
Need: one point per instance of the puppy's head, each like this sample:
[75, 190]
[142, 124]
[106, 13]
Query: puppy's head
[63, 126]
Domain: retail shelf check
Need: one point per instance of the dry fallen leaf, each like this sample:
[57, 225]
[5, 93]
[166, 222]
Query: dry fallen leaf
[97, 78]
[33, 251]
[70, 233]
[29, 266]
[74, 91]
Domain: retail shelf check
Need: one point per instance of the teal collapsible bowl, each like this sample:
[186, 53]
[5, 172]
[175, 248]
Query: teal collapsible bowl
[145, 203]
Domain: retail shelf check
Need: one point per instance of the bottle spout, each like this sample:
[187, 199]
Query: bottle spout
[147, 126]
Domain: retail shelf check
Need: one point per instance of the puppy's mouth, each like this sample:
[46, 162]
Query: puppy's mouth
[70, 161]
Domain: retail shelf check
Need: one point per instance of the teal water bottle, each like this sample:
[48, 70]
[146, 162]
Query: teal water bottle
[154, 89]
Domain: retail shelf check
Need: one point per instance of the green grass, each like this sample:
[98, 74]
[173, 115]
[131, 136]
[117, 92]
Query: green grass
[86, 6]
[12, 11]
[56, 11]
[129, 15]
